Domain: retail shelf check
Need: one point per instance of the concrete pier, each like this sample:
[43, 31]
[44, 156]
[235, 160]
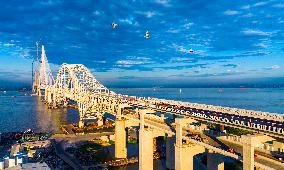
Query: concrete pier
[100, 120]
[184, 153]
[146, 149]
[120, 139]
[81, 123]
[146, 144]
[248, 152]
[49, 100]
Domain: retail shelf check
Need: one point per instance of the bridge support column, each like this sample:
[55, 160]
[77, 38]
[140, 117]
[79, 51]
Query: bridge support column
[146, 144]
[38, 91]
[120, 139]
[119, 112]
[81, 123]
[65, 103]
[248, 152]
[49, 100]
[54, 104]
[170, 153]
[100, 120]
[146, 149]
[184, 153]
[215, 161]
[81, 112]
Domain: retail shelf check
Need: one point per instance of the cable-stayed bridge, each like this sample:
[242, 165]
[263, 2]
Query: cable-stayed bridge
[75, 82]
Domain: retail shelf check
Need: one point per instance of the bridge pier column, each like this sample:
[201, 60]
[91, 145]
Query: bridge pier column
[170, 153]
[81, 123]
[120, 139]
[248, 152]
[146, 149]
[215, 161]
[146, 145]
[49, 100]
[81, 112]
[65, 103]
[54, 104]
[184, 153]
[119, 112]
[100, 120]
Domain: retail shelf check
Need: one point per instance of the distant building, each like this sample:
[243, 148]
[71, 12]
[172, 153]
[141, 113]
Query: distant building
[278, 146]
[15, 149]
[28, 166]
[104, 138]
[112, 137]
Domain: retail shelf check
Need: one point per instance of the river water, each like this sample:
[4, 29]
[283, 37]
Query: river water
[19, 111]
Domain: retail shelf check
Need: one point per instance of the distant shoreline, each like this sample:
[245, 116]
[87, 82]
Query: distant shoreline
[201, 87]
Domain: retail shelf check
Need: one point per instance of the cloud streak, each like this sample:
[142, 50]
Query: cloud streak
[224, 37]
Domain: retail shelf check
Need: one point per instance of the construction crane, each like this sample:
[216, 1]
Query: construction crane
[35, 66]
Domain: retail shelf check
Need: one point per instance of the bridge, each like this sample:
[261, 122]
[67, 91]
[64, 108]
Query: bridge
[75, 82]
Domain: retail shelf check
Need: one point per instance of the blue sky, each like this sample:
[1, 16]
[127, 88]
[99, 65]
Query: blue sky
[233, 41]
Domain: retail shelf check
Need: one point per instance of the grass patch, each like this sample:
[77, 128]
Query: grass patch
[132, 140]
[91, 152]
[111, 142]
[238, 132]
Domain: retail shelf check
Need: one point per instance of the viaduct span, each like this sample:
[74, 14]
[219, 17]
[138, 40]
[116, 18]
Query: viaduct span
[74, 82]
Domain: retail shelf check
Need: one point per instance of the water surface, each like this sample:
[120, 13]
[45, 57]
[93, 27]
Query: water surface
[19, 111]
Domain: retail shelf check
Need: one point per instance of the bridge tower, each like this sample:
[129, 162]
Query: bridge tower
[45, 77]
[45, 74]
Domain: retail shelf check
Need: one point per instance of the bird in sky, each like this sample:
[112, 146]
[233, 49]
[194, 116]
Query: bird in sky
[147, 35]
[114, 25]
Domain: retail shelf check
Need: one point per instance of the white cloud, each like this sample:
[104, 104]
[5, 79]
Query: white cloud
[245, 7]
[255, 32]
[129, 62]
[137, 58]
[133, 60]
[248, 15]
[172, 30]
[261, 45]
[100, 61]
[206, 27]
[148, 14]
[165, 3]
[129, 21]
[231, 12]
[278, 6]
[9, 45]
[274, 67]
[260, 3]
[179, 59]
[73, 28]
[180, 48]
[96, 13]
[188, 25]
